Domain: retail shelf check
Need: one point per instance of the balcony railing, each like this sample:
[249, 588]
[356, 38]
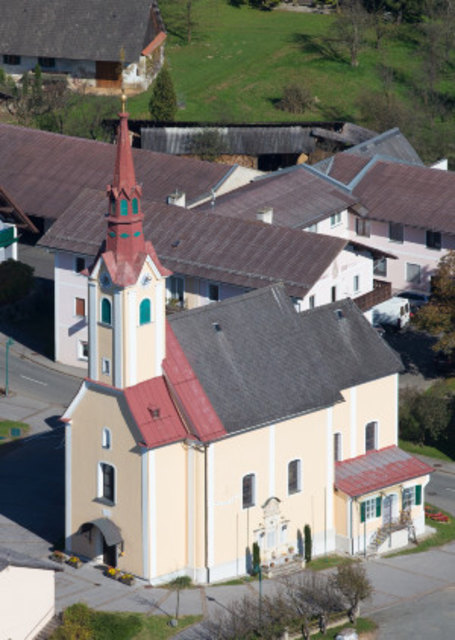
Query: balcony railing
[381, 292]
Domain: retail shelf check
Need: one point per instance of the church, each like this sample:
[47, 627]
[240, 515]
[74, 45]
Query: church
[198, 434]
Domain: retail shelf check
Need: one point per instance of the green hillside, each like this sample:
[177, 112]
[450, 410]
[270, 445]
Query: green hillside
[240, 59]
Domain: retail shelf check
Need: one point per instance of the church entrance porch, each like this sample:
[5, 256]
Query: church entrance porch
[100, 540]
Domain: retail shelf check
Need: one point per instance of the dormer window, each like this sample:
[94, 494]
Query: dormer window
[123, 208]
[135, 205]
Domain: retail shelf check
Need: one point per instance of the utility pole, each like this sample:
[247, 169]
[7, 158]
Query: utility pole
[9, 342]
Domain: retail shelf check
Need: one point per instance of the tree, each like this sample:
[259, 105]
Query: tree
[179, 583]
[350, 26]
[163, 101]
[353, 583]
[308, 542]
[208, 144]
[256, 558]
[265, 5]
[16, 280]
[438, 316]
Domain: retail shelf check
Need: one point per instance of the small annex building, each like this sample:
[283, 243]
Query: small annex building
[195, 436]
[27, 586]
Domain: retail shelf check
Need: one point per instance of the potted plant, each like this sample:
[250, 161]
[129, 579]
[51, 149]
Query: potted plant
[127, 578]
[74, 561]
[58, 556]
[112, 572]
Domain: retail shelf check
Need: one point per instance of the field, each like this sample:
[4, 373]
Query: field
[240, 59]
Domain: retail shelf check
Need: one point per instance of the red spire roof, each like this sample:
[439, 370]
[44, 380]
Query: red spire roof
[125, 235]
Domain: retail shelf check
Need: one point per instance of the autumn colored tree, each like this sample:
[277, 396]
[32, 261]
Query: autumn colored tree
[438, 316]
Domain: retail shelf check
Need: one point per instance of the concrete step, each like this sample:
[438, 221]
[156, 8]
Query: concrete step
[53, 624]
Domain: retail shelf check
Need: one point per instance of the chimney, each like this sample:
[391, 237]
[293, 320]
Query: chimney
[178, 198]
[265, 215]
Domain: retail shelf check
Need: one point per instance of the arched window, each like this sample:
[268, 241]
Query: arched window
[123, 208]
[145, 311]
[135, 205]
[106, 311]
[371, 436]
[106, 441]
[107, 488]
[248, 490]
[294, 476]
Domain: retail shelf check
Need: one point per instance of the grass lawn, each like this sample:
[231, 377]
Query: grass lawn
[82, 622]
[326, 562]
[363, 625]
[7, 427]
[444, 533]
[240, 59]
[424, 450]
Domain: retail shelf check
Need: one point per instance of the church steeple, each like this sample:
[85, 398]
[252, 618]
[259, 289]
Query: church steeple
[125, 236]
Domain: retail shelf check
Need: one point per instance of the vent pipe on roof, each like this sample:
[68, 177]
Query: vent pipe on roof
[178, 198]
[265, 215]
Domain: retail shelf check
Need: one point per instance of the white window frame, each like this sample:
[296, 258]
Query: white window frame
[100, 484]
[408, 499]
[173, 295]
[356, 283]
[299, 476]
[335, 219]
[106, 324]
[376, 435]
[370, 509]
[80, 350]
[413, 280]
[338, 450]
[106, 366]
[253, 490]
[106, 438]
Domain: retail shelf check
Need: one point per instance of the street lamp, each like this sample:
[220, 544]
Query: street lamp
[9, 342]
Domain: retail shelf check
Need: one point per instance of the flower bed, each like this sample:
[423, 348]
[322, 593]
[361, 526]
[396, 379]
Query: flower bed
[58, 556]
[74, 562]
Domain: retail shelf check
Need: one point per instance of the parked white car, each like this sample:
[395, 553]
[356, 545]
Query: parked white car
[394, 312]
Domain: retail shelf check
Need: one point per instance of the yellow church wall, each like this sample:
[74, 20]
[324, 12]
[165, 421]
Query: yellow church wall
[235, 528]
[171, 509]
[376, 401]
[105, 350]
[89, 418]
[340, 513]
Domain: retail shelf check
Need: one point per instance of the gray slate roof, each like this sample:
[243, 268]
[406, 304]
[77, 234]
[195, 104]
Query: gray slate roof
[260, 361]
[77, 29]
[299, 196]
[246, 254]
[9, 557]
[392, 144]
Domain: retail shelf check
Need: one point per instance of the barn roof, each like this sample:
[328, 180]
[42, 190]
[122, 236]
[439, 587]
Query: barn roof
[82, 30]
[45, 172]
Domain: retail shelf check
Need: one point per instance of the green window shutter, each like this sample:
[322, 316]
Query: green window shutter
[418, 494]
[362, 512]
[135, 204]
[106, 311]
[145, 312]
[378, 507]
[123, 208]
[7, 237]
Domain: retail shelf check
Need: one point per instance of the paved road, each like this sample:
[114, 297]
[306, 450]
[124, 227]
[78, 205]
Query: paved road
[35, 381]
[441, 492]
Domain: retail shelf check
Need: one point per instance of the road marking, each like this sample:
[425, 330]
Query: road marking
[449, 489]
[33, 380]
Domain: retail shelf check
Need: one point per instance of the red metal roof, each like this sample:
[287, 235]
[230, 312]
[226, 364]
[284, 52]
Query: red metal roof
[154, 412]
[189, 393]
[377, 469]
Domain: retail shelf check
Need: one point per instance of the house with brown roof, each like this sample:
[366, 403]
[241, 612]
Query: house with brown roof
[405, 208]
[197, 435]
[84, 40]
[13, 221]
[211, 259]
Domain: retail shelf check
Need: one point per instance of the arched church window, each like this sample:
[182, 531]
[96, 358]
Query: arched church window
[106, 311]
[135, 205]
[145, 311]
[123, 208]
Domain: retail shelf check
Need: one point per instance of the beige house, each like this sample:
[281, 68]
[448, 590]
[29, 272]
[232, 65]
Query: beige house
[195, 436]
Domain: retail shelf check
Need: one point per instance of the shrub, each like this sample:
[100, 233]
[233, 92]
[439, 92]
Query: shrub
[256, 557]
[296, 98]
[265, 5]
[208, 144]
[16, 280]
[424, 417]
[308, 542]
